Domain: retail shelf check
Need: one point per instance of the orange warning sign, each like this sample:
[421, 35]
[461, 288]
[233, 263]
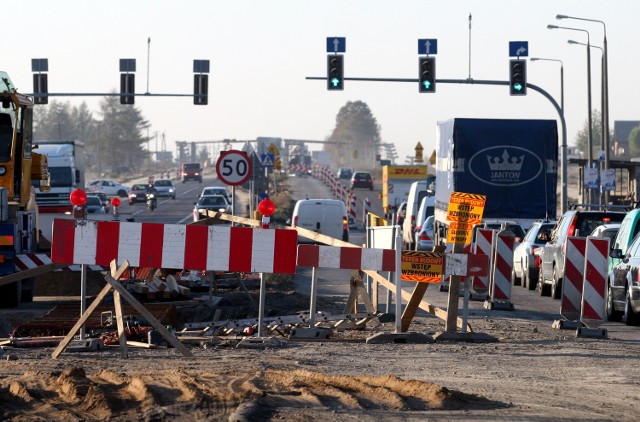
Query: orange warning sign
[466, 207]
[426, 267]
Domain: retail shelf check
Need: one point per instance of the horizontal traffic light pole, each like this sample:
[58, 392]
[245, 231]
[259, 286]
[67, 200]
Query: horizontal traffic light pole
[109, 94]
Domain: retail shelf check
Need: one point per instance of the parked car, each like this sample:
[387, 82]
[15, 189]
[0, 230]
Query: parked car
[361, 179]
[107, 186]
[138, 193]
[424, 238]
[216, 190]
[165, 187]
[629, 228]
[575, 222]
[94, 205]
[525, 269]
[211, 203]
[608, 231]
[623, 293]
[344, 173]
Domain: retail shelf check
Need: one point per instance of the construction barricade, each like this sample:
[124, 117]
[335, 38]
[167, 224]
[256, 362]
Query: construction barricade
[594, 288]
[571, 300]
[502, 265]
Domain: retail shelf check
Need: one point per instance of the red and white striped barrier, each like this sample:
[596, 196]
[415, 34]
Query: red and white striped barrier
[352, 205]
[571, 301]
[30, 261]
[595, 277]
[502, 264]
[366, 209]
[346, 258]
[175, 246]
[483, 246]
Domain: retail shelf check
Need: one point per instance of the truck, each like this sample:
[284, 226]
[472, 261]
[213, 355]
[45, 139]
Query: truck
[19, 167]
[66, 167]
[513, 162]
[396, 183]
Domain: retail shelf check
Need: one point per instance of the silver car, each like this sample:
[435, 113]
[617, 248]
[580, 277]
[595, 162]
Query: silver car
[623, 294]
[424, 238]
[525, 269]
[165, 187]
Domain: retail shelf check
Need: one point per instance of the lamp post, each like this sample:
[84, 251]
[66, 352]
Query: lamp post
[603, 135]
[589, 131]
[563, 149]
[605, 85]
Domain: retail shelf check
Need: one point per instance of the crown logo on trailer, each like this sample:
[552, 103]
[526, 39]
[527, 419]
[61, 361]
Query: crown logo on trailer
[505, 162]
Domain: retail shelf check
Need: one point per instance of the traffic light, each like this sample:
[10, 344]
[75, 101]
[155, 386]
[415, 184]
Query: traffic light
[335, 72]
[517, 77]
[127, 86]
[40, 87]
[427, 69]
[200, 89]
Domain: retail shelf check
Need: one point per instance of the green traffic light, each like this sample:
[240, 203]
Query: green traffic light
[517, 87]
[426, 84]
[335, 82]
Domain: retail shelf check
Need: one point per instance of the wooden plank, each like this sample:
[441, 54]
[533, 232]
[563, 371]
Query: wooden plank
[33, 272]
[147, 315]
[412, 305]
[117, 303]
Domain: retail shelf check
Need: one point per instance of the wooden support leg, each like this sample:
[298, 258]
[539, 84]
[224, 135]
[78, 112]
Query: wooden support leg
[117, 303]
[412, 306]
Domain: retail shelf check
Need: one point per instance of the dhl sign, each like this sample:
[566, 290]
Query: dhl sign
[406, 172]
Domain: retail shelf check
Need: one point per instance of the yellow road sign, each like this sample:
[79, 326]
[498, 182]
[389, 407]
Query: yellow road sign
[425, 267]
[459, 232]
[466, 207]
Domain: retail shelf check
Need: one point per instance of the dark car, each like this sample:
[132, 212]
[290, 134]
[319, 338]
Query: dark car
[575, 222]
[94, 205]
[362, 179]
[210, 202]
[138, 193]
[344, 173]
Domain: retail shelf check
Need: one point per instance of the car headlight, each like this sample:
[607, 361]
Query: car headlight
[3, 170]
[170, 190]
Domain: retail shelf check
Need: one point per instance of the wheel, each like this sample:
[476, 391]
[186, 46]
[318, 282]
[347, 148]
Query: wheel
[515, 281]
[630, 317]
[556, 286]
[543, 288]
[532, 282]
[612, 314]
[122, 193]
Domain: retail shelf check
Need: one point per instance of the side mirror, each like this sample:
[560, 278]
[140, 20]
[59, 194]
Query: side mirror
[616, 253]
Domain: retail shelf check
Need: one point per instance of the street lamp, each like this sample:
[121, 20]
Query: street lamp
[605, 86]
[589, 131]
[563, 148]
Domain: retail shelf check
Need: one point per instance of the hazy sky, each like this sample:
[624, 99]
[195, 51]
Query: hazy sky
[261, 51]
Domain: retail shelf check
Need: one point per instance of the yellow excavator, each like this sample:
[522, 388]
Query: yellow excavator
[19, 168]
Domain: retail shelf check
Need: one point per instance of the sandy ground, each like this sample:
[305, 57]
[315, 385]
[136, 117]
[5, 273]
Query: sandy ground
[533, 372]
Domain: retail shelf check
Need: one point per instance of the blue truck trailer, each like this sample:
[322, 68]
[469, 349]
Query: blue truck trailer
[513, 162]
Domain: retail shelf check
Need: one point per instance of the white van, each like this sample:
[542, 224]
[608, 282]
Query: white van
[417, 192]
[324, 216]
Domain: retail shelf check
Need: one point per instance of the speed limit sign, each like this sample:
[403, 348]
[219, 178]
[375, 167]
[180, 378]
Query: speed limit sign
[233, 167]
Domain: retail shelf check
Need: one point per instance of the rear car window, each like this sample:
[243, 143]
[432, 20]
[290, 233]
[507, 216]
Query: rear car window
[191, 166]
[587, 222]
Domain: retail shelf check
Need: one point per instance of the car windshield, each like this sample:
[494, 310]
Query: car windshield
[212, 200]
[139, 187]
[93, 200]
[163, 183]
[191, 166]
